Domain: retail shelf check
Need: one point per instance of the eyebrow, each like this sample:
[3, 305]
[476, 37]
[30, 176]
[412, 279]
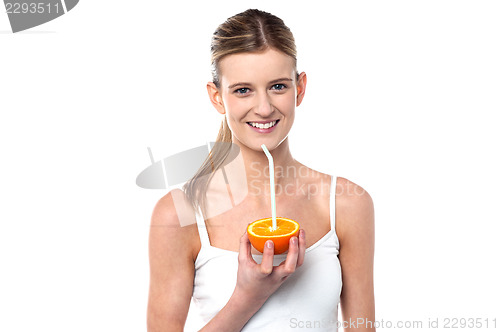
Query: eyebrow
[273, 81]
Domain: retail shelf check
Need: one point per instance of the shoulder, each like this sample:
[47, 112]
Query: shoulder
[173, 223]
[354, 208]
[313, 179]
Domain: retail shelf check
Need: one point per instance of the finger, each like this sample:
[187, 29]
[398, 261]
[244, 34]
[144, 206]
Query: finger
[291, 258]
[302, 247]
[245, 249]
[266, 266]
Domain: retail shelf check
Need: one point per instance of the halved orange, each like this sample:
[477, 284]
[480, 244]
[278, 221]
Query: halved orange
[261, 230]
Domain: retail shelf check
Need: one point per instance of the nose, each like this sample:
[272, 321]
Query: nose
[264, 107]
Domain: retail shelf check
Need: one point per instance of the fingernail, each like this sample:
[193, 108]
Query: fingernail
[269, 244]
[302, 234]
[294, 240]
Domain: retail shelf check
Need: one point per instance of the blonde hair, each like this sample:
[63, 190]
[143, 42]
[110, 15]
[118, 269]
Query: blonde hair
[250, 31]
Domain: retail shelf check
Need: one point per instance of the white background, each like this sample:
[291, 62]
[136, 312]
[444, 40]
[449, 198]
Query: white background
[401, 99]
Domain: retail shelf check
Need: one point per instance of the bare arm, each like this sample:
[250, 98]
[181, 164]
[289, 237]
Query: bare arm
[355, 227]
[171, 269]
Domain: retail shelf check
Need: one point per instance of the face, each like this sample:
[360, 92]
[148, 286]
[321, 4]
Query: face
[258, 94]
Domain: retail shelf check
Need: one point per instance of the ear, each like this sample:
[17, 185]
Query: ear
[215, 98]
[301, 87]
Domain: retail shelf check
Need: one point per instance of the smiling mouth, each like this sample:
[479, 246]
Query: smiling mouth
[263, 125]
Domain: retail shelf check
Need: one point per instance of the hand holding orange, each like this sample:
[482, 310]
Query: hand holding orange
[261, 230]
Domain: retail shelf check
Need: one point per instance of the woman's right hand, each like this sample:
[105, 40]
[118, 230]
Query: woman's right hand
[256, 282]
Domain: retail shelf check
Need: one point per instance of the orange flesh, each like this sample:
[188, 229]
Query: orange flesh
[261, 230]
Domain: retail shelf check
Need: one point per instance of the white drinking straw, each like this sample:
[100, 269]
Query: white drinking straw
[271, 182]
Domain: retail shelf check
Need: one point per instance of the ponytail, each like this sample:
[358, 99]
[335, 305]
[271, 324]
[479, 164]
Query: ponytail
[196, 187]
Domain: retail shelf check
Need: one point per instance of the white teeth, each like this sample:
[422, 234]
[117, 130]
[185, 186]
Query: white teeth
[263, 125]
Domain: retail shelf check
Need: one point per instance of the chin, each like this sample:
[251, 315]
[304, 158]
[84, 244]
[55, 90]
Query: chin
[255, 144]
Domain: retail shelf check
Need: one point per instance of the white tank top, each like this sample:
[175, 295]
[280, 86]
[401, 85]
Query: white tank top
[307, 301]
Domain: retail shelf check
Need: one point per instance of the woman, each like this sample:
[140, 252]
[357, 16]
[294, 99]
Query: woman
[207, 256]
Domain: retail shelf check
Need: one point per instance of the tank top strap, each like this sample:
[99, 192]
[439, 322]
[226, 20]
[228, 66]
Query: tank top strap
[333, 187]
[202, 228]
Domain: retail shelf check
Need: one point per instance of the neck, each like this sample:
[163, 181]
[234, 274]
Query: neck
[257, 168]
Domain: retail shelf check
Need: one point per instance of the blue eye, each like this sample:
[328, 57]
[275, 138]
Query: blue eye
[279, 86]
[241, 91]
